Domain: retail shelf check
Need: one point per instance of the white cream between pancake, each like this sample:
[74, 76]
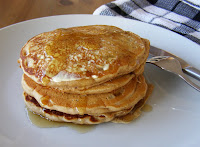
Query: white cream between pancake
[64, 76]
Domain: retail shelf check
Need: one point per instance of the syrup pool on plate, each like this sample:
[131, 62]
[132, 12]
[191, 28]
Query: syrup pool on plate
[147, 108]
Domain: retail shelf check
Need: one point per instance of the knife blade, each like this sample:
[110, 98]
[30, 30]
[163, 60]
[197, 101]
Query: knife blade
[187, 69]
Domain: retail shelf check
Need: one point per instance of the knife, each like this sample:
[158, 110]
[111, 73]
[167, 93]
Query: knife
[187, 69]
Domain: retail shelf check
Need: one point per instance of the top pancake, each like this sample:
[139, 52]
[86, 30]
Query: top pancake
[82, 56]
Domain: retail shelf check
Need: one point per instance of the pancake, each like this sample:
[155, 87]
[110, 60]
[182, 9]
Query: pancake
[119, 99]
[82, 56]
[124, 116]
[54, 115]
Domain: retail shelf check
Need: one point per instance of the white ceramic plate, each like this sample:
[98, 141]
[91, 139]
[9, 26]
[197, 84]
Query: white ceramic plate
[174, 120]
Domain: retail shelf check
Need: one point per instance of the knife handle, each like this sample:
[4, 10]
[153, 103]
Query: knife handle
[193, 72]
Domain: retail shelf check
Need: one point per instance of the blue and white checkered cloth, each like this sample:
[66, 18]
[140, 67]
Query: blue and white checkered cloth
[180, 16]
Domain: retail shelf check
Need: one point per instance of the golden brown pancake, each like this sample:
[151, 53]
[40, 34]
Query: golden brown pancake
[119, 99]
[82, 56]
[124, 116]
[54, 115]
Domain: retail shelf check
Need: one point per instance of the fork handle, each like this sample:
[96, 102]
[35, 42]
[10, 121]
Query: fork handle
[193, 72]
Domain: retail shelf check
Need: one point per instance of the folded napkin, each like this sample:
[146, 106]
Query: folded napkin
[180, 16]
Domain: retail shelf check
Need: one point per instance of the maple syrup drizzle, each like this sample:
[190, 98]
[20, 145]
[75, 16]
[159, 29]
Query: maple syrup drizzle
[146, 107]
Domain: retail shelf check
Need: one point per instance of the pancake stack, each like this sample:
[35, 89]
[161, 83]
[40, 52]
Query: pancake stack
[85, 75]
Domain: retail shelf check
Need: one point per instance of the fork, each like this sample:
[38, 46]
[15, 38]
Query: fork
[172, 65]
